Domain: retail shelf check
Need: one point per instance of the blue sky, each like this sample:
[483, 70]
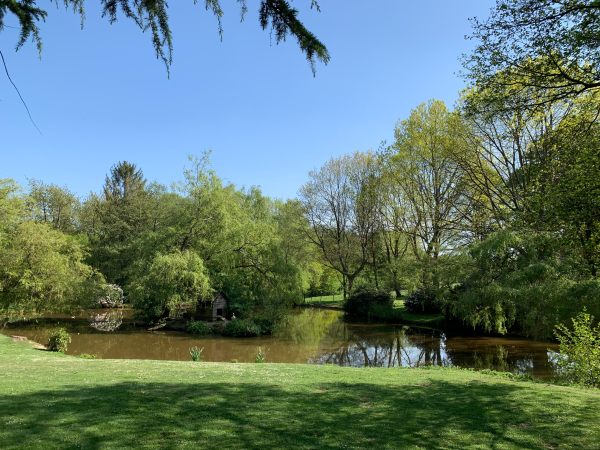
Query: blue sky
[99, 95]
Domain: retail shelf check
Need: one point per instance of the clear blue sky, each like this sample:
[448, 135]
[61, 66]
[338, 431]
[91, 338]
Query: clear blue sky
[100, 96]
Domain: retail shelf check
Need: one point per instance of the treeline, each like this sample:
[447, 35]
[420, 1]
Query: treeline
[489, 216]
[169, 249]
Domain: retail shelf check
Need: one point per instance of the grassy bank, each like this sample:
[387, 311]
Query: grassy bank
[55, 401]
[397, 314]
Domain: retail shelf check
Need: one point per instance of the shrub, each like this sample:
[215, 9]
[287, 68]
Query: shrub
[241, 328]
[422, 300]
[362, 302]
[579, 359]
[59, 340]
[196, 353]
[260, 356]
[198, 328]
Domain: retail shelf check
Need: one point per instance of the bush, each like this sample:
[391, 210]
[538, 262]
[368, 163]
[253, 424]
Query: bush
[198, 328]
[579, 359]
[423, 301]
[241, 328]
[364, 301]
[59, 340]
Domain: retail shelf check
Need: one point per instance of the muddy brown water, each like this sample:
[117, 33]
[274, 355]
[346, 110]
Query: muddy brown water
[308, 336]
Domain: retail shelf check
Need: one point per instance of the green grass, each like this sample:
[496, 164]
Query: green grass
[50, 401]
[336, 300]
[416, 318]
[398, 314]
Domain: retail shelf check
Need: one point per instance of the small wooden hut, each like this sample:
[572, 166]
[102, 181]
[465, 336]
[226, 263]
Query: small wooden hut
[213, 310]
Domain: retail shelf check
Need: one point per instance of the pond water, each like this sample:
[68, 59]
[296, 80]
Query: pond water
[308, 336]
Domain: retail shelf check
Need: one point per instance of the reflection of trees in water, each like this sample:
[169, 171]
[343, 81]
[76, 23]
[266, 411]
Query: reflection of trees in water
[311, 326]
[107, 321]
[503, 358]
[408, 348]
[496, 359]
[390, 349]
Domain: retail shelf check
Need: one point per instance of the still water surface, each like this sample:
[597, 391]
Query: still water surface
[308, 336]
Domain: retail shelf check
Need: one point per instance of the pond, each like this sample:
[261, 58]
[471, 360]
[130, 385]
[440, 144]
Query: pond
[311, 336]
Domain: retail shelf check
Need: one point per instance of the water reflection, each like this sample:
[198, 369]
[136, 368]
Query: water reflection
[107, 321]
[310, 336]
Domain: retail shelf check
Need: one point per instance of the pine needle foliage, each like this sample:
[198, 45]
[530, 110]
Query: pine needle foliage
[153, 16]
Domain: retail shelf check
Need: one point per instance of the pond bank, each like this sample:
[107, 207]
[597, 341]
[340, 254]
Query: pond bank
[140, 404]
[311, 336]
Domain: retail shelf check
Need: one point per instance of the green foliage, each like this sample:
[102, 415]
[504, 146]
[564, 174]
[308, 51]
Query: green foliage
[521, 282]
[198, 328]
[42, 269]
[196, 353]
[242, 328]
[49, 203]
[543, 50]
[362, 302]
[59, 340]
[86, 356]
[422, 300]
[579, 358]
[174, 282]
[260, 356]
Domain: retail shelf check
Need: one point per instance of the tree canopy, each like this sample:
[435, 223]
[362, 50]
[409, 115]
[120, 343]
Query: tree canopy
[536, 51]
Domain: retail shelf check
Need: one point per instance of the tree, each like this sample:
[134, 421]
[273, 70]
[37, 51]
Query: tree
[116, 221]
[49, 203]
[537, 51]
[500, 145]
[340, 206]
[393, 230]
[12, 209]
[43, 270]
[173, 282]
[430, 181]
[565, 193]
[278, 15]
[124, 182]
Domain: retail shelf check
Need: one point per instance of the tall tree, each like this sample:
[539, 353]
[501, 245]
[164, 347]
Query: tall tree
[340, 206]
[124, 182]
[431, 181]
[115, 222]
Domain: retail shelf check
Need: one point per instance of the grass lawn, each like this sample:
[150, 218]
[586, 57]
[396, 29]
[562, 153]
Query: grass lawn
[52, 401]
[399, 312]
[326, 300]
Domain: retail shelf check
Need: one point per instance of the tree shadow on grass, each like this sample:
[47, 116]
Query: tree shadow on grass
[328, 415]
